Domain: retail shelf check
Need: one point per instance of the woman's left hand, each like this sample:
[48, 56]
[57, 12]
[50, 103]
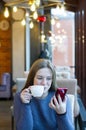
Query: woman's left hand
[59, 106]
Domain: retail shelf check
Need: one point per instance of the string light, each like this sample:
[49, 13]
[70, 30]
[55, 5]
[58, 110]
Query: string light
[62, 9]
[23, 22]
[43, 38]
[58, 25]
[37, 3]
[15, 9]
[33, 7]
[31, 25]
[58, 9]
[27, 14]
[6, 12]
[52, 21]
[35, 15]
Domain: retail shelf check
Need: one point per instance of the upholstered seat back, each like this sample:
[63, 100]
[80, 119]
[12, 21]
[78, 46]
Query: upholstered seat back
[71, 84]
[5, 87]
[5, 79]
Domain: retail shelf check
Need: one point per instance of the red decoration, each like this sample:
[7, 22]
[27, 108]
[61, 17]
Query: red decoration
[41, 19]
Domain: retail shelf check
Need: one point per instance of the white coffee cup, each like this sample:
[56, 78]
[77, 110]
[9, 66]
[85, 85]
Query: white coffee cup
[37, 90]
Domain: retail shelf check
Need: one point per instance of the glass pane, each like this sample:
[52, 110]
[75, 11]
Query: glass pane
[63, 46]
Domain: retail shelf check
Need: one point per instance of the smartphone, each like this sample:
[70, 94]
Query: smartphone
[61, 92]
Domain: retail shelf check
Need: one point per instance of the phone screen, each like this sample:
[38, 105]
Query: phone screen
[61, 92]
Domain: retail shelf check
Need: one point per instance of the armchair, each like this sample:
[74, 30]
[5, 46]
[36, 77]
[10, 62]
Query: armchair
[81, 119]
[5, 86]
[69, 83]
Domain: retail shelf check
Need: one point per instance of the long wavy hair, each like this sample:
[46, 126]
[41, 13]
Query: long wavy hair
[39, 64]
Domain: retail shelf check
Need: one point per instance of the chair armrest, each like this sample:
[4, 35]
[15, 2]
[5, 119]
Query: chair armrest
[82, 115]
[2, 87]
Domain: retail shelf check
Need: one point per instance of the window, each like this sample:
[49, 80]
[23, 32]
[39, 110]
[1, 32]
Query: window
[63, 37]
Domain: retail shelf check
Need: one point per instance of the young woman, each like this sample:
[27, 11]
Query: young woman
[45, 112]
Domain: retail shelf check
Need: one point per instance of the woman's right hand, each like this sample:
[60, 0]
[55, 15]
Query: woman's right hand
[25, 95]
[59, 106]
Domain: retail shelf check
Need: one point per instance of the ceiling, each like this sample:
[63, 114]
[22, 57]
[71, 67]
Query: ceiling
[24, 3]
[44, 3]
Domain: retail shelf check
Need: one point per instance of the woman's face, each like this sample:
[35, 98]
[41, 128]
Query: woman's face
[43, 77]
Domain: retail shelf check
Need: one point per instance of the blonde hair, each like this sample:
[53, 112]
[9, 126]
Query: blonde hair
[38, 64]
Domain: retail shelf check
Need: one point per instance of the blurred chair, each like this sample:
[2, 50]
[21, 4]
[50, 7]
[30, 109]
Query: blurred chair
[5, 91]
[81, 119]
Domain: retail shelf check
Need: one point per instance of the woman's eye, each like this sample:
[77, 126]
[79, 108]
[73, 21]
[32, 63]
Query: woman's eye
[49, 78]
[40, 78]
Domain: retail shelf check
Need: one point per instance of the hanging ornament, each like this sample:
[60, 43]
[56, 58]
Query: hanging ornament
[41, 19]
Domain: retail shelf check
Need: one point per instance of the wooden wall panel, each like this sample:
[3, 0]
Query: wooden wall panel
[5, 45]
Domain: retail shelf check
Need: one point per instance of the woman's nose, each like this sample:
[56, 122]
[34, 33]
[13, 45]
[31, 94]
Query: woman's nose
[44, 81]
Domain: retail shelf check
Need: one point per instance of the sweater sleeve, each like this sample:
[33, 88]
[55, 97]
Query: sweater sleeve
[22, 114]
[65, 121]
